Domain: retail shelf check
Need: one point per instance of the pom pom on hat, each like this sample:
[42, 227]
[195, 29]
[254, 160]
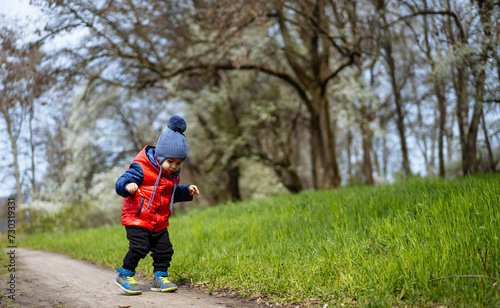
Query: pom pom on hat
[177, 124]
[172, 143]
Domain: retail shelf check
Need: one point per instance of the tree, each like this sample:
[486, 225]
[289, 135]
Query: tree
[358, 109]
[468, 121]
[312, 56]
[398, 76]
[438, 83]
[186, 50]
[23, 80]
[471, 52]
[184, 40]
[489, 14]
[245, 117]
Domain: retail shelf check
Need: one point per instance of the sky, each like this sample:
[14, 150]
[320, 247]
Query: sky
[20, 8]
[25, 15]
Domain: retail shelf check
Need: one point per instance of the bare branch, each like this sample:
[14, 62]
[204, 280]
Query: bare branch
[338, 70]
[427, 12]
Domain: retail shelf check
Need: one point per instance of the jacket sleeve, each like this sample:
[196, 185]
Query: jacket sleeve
[133, 175]
[182, 194]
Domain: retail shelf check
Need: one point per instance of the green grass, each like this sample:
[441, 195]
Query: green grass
[415, 243]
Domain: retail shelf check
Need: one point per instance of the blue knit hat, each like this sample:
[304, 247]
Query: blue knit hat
[172, 143]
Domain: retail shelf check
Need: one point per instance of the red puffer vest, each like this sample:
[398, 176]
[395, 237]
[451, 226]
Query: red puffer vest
[139, 209]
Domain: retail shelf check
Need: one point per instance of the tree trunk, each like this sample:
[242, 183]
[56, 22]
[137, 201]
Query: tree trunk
[441, 100]
[442, 127]
[233, 184]
[469, 161]
[491, 158]
[32, 147]
[468, 131]
[367, 162]
[289, 177]
[17, 173]
[400, 116]
[462, 119]
[471, 164]
[349, 154]
[325, 169]
[377, 164]
[367, 146]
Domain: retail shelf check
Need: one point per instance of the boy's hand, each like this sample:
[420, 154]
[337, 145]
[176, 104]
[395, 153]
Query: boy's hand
[132, 188]
[193, 190]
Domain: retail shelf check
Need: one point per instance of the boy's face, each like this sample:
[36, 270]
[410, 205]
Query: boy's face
[171, 165]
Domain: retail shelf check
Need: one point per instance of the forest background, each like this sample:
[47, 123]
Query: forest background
[279, 96]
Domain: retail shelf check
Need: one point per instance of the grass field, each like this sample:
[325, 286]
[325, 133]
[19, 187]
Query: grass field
[420, 243]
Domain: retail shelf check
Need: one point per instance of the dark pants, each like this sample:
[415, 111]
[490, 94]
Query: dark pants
[142, 241]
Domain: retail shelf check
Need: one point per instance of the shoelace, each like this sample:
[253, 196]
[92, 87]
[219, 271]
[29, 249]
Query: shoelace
[164, 280]
[131, 280]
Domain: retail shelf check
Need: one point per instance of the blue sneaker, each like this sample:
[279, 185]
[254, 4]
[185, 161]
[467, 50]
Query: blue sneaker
[162, 284]
[126, 281]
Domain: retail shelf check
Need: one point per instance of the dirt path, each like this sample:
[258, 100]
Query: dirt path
[44, 279]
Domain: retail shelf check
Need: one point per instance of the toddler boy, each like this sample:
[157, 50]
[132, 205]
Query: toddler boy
[150, 187]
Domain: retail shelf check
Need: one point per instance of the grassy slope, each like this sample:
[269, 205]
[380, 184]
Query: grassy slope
[376, 245]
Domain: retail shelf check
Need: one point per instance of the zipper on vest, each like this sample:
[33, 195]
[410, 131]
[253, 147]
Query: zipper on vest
[140, 207]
